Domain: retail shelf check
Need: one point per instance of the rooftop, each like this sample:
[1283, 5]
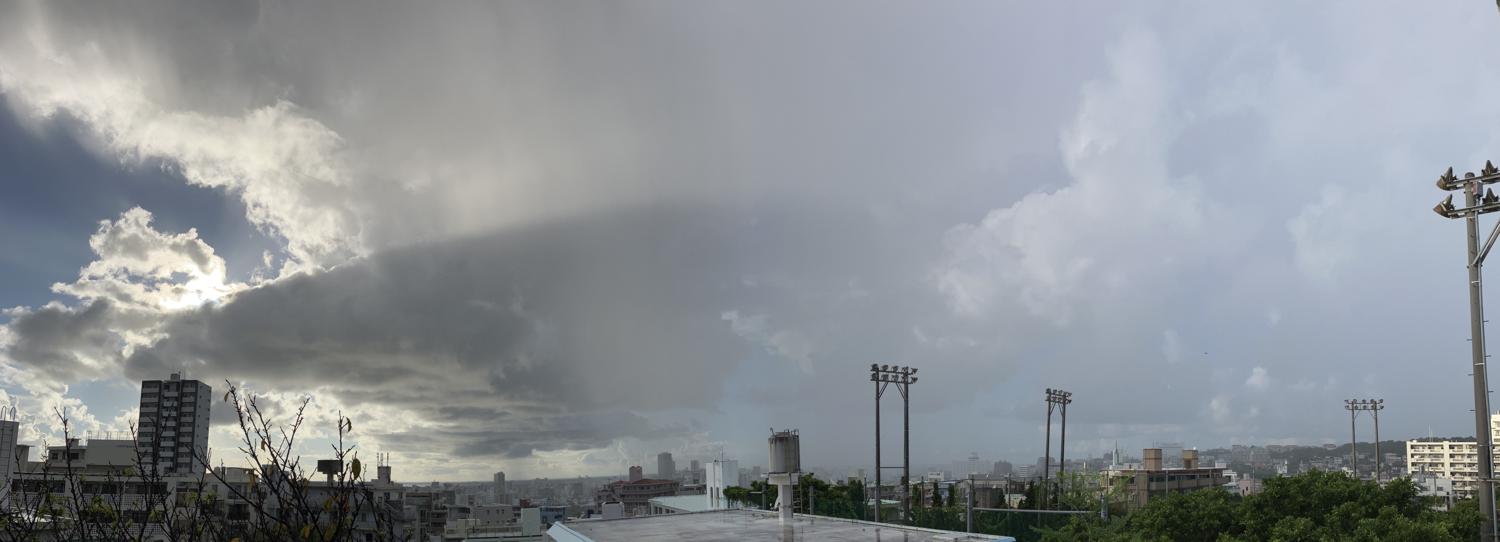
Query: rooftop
[727, 525]
[684, 503]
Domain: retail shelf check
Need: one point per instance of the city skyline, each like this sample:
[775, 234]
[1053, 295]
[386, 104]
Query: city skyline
[556, 241]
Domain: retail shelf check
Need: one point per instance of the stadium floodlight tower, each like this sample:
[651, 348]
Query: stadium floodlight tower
[903, 378]
[786, 468]
[1478, 200]
[1055, 399]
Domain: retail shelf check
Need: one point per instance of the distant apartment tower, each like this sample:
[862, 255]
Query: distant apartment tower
[172, 427]
[666, 469]
[635, 473]
[499, 489]
[10, 431]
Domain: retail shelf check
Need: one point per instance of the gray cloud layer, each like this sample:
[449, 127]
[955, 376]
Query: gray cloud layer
[559, 227]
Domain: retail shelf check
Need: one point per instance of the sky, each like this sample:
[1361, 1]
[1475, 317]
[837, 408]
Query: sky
[557, 238]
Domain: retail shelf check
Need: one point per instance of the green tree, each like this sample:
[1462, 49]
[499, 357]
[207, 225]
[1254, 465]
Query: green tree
[1314, 506]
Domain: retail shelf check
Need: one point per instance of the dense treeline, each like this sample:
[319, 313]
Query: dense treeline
[1313, 506]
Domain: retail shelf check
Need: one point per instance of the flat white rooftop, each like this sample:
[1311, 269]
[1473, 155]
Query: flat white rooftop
[733, 525]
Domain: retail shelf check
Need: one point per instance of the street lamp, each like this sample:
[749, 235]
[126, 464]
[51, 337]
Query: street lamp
[1478, 200]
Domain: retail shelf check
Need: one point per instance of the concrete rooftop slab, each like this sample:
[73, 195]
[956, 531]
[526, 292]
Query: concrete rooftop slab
[753, 525]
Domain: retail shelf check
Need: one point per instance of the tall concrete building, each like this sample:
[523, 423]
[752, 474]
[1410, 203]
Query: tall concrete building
[666, 469]
[500, 497]
[10, 431]
[635, 473]
[172, 428]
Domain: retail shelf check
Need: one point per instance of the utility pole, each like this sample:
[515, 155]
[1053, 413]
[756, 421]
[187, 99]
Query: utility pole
[1351, 406]
[879, 390]
[1376, 405]
[903, 378]
[1478, 200]
[1055, 398]
[969, 516]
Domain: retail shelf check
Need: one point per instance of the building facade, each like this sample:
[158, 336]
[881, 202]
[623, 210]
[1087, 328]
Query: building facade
[666, 469]
[1457, 460]
[499, 489]
[172, 427]
[722, 474]
[636, 495]
[1153, 479]
[10, 431]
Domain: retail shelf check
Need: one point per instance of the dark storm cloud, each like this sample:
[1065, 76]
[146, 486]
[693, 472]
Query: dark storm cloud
[1204, 222]
[65, 344]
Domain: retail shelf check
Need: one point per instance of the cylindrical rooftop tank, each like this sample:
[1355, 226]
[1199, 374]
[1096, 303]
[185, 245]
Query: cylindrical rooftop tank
[1190, 459]
[1151, 457]
[786, 455]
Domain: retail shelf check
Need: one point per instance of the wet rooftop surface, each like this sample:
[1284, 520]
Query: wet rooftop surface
[726, 525]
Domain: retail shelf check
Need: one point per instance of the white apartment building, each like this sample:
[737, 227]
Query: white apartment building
[1453, 459]
[172, 430]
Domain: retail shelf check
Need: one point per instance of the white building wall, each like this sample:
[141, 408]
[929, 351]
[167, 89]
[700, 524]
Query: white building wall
[722, 474]
[9, 434]
[1455, 460]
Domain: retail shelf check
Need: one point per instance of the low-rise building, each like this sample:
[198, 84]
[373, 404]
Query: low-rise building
[1152, 479]
[636, 495]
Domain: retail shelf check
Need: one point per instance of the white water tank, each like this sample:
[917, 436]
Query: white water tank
[786, 453]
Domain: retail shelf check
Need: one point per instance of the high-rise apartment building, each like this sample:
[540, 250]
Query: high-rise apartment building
[666, 469]
[1457, 460]
[10, 431]
[172, 428]
[499, 489]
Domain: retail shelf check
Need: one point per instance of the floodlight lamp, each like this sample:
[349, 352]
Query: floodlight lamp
[1446, 180]
[1489, 197]
[1445, 209]
[913, 380]
[874, 366]
[1489, 169]
[913, 370]
[885, 367]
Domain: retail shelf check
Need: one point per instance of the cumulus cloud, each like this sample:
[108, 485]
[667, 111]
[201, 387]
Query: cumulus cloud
[140, 268]
[139, 277]
[1259, 379]
[1121, 220]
